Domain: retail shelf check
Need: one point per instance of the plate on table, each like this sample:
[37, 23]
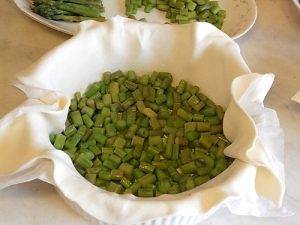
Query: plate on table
[240, 16]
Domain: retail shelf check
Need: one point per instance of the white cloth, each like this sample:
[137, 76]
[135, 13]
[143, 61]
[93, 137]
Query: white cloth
[198, 53]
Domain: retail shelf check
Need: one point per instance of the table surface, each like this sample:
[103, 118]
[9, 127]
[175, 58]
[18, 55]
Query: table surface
[272, 45]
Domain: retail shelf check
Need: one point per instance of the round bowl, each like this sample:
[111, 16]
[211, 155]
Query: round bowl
[198, 53]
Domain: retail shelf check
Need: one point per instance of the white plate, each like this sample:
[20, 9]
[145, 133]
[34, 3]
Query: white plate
[241, 15]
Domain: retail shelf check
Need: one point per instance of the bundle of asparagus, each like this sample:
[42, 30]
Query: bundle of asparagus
[69, 10]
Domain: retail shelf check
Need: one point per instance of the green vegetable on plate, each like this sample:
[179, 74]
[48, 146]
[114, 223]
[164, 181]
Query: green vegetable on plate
[124, 137]
[69, 10]
[177, 11]
[181, 11]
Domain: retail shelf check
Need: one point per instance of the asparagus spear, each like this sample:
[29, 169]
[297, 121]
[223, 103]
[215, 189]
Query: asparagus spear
[82, 10]
[95, 3]
[62, 9]
[81, 2]
[85, 2]
[49, 11]
[69, 18]
[47, 2]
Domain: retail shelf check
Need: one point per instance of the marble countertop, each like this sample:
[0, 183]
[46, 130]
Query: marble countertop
[272, 45]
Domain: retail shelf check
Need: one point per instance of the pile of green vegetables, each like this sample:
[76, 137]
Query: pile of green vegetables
[140, 135]
[178, 11]
[69, 10]
[181, 11]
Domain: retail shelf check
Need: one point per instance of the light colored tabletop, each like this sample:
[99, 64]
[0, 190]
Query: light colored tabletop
[272, 45]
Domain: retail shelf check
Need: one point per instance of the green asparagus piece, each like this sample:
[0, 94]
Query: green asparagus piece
[181, 11]
[151, 140]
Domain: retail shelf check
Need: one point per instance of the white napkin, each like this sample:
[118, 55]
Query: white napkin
[197, 52]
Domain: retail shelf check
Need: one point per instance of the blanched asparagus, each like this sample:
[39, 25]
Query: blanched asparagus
[49, 11]
[69, 18]
[69, 10]
[124, 136]
[79, 9]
